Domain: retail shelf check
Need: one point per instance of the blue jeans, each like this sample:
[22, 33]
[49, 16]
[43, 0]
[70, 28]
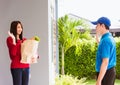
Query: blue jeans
[20, 76]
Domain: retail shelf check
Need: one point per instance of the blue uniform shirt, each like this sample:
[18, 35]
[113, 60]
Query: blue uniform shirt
[106, 49]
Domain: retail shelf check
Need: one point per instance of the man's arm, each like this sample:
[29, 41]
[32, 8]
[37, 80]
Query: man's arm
[97, 38]
[103, 69]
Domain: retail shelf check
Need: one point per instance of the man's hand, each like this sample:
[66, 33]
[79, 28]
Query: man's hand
[98, 83]
[97, 38]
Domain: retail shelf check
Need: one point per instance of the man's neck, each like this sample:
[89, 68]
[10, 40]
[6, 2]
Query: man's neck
[106, 31]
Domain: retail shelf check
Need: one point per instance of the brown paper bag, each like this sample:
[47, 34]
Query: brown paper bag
[29, 51]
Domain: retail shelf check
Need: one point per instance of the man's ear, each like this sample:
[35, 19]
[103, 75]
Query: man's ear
[103, 25]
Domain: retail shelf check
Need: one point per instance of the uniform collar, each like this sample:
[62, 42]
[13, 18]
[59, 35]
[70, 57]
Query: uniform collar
[106, 34]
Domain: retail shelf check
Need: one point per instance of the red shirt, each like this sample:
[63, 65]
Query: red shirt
[15, 53]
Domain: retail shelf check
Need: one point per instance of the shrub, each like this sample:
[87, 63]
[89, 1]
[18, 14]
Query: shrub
[117, 39]
[81, 63]
[69, 80]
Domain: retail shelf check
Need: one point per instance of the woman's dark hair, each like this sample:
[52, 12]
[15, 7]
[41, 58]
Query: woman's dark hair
[13, 29]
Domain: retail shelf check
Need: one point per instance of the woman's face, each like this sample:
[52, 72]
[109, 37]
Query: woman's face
[19, 29]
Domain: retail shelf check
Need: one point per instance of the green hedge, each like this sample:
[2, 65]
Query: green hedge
[118, 57]
[81, 63]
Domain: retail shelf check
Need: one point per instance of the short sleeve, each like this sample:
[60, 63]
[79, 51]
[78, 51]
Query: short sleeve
[105, 49]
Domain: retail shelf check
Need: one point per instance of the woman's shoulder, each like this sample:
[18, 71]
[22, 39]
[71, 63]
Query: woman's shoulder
[9, 38]
[24, 39]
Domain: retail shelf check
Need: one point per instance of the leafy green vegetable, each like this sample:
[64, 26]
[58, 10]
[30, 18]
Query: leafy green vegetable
[37, 38]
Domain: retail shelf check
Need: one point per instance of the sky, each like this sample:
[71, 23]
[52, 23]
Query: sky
[91, 9]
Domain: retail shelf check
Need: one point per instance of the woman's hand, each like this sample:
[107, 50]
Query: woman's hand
[13, 37]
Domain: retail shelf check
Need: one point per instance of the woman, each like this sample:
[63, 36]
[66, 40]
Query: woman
[19, 71]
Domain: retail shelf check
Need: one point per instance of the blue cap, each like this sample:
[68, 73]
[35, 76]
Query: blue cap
[102, 20]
